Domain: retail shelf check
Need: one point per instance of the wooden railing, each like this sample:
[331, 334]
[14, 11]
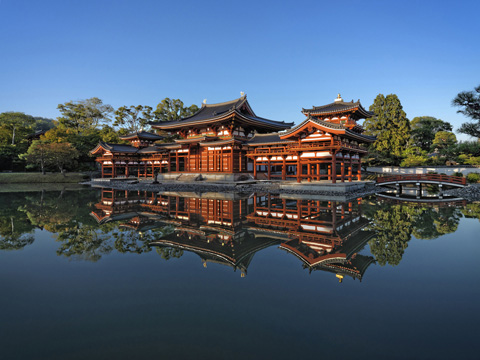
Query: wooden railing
[423, 177]
[305, 146]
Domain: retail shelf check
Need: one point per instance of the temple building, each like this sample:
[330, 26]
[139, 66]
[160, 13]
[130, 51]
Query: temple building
[228, 141]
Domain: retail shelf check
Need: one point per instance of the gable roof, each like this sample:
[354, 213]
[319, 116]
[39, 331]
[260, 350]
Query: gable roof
[114, 148]
[328, 127]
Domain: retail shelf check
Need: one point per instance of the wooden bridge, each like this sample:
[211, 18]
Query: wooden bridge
[422, 179]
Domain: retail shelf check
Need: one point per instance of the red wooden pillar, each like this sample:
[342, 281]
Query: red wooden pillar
[216, 159]
[359, 171]
[284, 168]
[177, 167]
[309, 171]
[329, 172]
[254, 167]
[126, 169]
[350, 169]
[269, 170]
[240, 160]
[318, 171]
[334, 167]
[299, 170]
[342, 169]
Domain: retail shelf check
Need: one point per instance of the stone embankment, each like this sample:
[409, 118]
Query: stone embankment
[470, 192]
[245, 188]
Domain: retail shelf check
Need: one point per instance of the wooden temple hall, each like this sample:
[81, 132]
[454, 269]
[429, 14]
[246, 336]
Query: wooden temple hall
[228, 141]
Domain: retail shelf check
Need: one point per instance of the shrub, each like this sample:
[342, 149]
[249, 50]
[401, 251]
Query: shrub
[459, 174]
[473, 177]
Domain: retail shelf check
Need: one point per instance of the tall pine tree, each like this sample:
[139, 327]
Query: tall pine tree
[391, 127]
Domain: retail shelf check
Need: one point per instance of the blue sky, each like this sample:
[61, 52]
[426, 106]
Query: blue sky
[284, 55]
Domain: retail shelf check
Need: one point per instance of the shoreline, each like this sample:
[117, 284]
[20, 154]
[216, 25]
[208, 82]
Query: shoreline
[469, 193]
[242, 188]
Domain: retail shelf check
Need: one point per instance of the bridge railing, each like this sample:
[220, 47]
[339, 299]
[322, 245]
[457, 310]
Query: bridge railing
[423, 177]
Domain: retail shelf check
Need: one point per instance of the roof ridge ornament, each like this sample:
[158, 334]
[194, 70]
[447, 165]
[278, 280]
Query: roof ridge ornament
[339, 98]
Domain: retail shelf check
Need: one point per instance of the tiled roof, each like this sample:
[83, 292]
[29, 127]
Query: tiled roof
[148, 150]
[320, 122]
[221, 142]
[119, 148]
[195, 139]
[338, 107]
[271, 138]
[212, 112]
[142, 135]
[330, 125]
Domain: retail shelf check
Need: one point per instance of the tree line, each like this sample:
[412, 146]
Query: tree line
[65, 142]
[424, 140]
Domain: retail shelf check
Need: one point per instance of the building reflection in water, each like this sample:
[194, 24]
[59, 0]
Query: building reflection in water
[228, 228]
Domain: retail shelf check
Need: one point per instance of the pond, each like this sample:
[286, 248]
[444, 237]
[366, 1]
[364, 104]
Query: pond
[103, 274]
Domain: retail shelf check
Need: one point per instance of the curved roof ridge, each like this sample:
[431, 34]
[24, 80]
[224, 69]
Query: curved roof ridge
[244, 97]
[338, 107]
[262, 118]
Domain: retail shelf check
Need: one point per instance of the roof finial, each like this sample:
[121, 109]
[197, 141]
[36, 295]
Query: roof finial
[205, 101]
[242, 93]
[339, 98]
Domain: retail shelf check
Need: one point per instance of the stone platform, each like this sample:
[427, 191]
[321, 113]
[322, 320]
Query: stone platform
[324, 186]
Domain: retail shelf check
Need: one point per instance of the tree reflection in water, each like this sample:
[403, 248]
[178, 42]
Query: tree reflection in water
[325, 235]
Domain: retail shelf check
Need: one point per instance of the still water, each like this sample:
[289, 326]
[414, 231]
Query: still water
[101, 274]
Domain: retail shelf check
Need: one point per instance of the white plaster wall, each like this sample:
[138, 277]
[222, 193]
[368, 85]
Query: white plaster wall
[448, 170]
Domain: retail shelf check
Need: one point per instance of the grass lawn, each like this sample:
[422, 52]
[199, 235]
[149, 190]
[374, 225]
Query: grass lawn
[38, 178]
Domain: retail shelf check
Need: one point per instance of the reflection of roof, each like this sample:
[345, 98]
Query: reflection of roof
[209, 113]
[142, 135]
[237, 254]
[338, 107]
[355, 268]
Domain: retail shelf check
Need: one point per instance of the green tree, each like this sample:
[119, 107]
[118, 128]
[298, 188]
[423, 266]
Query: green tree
[84, 115]
[414, 156]
[173, 109]
[391, 127]
[38, 154]
[444, 140]
[61, 154]
[469, 102]
[133, 118]
[14, 126]
[424, 129]
[43, 124]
